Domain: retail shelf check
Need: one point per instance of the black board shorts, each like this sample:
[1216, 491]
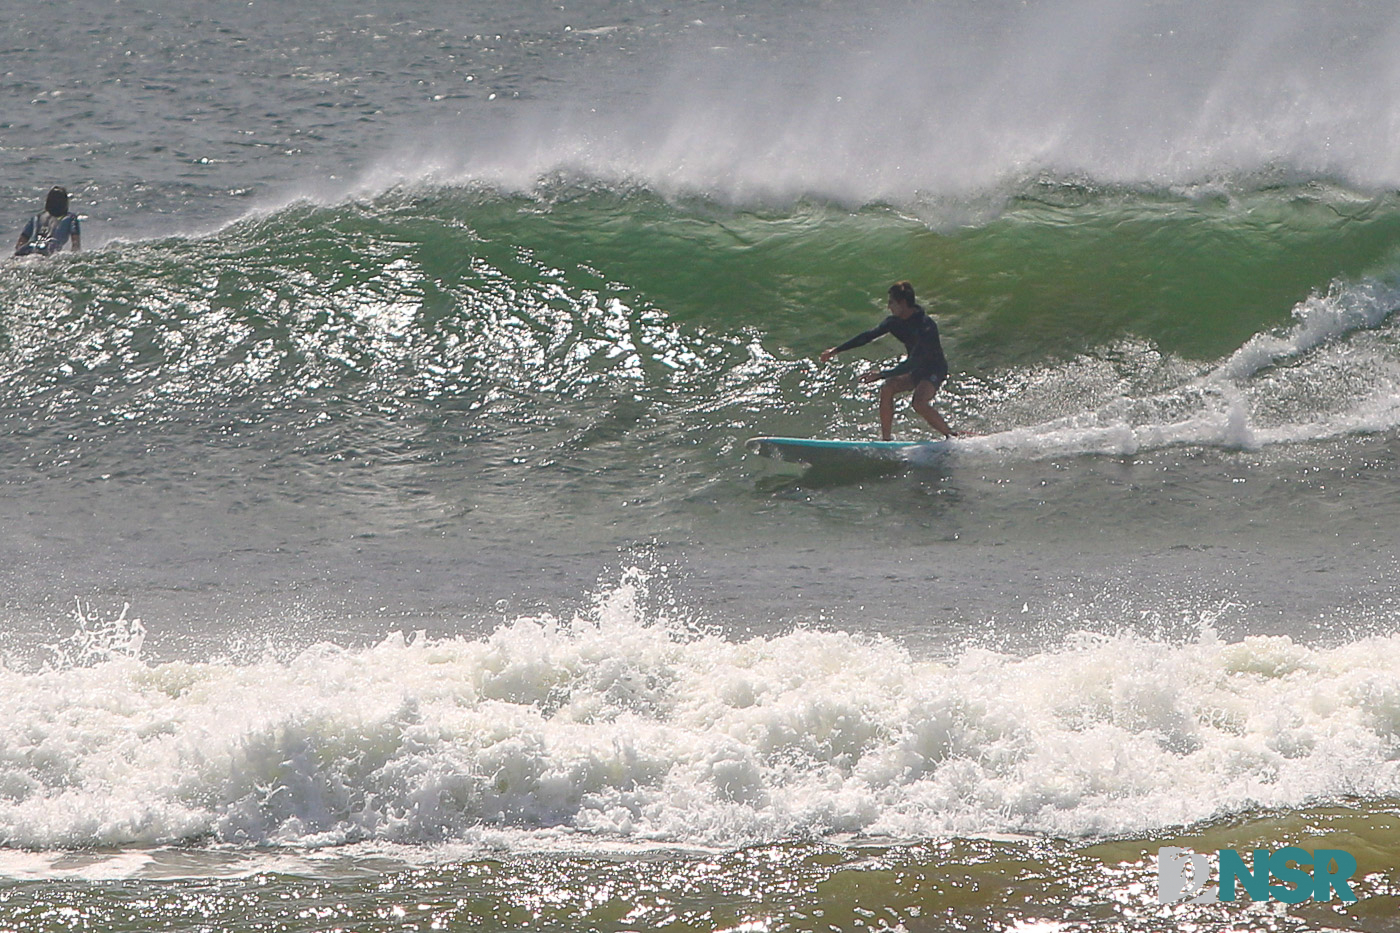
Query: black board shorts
[930, 371]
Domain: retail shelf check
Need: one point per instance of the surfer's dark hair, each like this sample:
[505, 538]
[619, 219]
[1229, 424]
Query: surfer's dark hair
[57, 201]
[903, 292]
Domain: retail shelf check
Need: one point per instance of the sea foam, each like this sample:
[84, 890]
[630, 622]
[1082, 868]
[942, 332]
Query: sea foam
[1333, 372]
[619, 725]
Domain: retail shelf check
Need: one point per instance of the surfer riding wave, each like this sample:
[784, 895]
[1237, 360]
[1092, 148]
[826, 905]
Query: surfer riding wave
[923, 370]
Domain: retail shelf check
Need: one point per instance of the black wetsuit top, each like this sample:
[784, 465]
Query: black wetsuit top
[919, 334]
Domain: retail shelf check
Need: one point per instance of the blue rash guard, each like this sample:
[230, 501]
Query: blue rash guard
[919, 334]
[46, 234]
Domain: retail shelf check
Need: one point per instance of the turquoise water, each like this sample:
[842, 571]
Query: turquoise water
[381, 546]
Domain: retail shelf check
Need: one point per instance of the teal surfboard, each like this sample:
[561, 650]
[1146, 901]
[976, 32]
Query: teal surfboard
[815, 450]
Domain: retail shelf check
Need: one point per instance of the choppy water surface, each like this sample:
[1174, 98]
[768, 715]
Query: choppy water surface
[382, 551]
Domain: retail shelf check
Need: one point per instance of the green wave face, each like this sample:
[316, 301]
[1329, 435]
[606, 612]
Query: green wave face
[609, 334]
[412, 284]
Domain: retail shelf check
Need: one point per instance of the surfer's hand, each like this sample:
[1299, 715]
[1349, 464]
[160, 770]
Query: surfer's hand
[827, 354]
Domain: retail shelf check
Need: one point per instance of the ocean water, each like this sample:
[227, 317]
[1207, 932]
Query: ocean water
[380, 546]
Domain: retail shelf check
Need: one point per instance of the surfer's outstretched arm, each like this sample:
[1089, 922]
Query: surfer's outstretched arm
[859, 340]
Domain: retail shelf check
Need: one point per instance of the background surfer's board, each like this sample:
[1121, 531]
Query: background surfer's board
[813, 450]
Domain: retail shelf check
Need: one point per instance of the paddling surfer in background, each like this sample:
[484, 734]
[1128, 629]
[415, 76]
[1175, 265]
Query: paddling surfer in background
[48, 231]
[922, 371]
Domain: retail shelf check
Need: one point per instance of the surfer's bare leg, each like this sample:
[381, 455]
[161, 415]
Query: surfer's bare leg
[888, 390]
[923, 404]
